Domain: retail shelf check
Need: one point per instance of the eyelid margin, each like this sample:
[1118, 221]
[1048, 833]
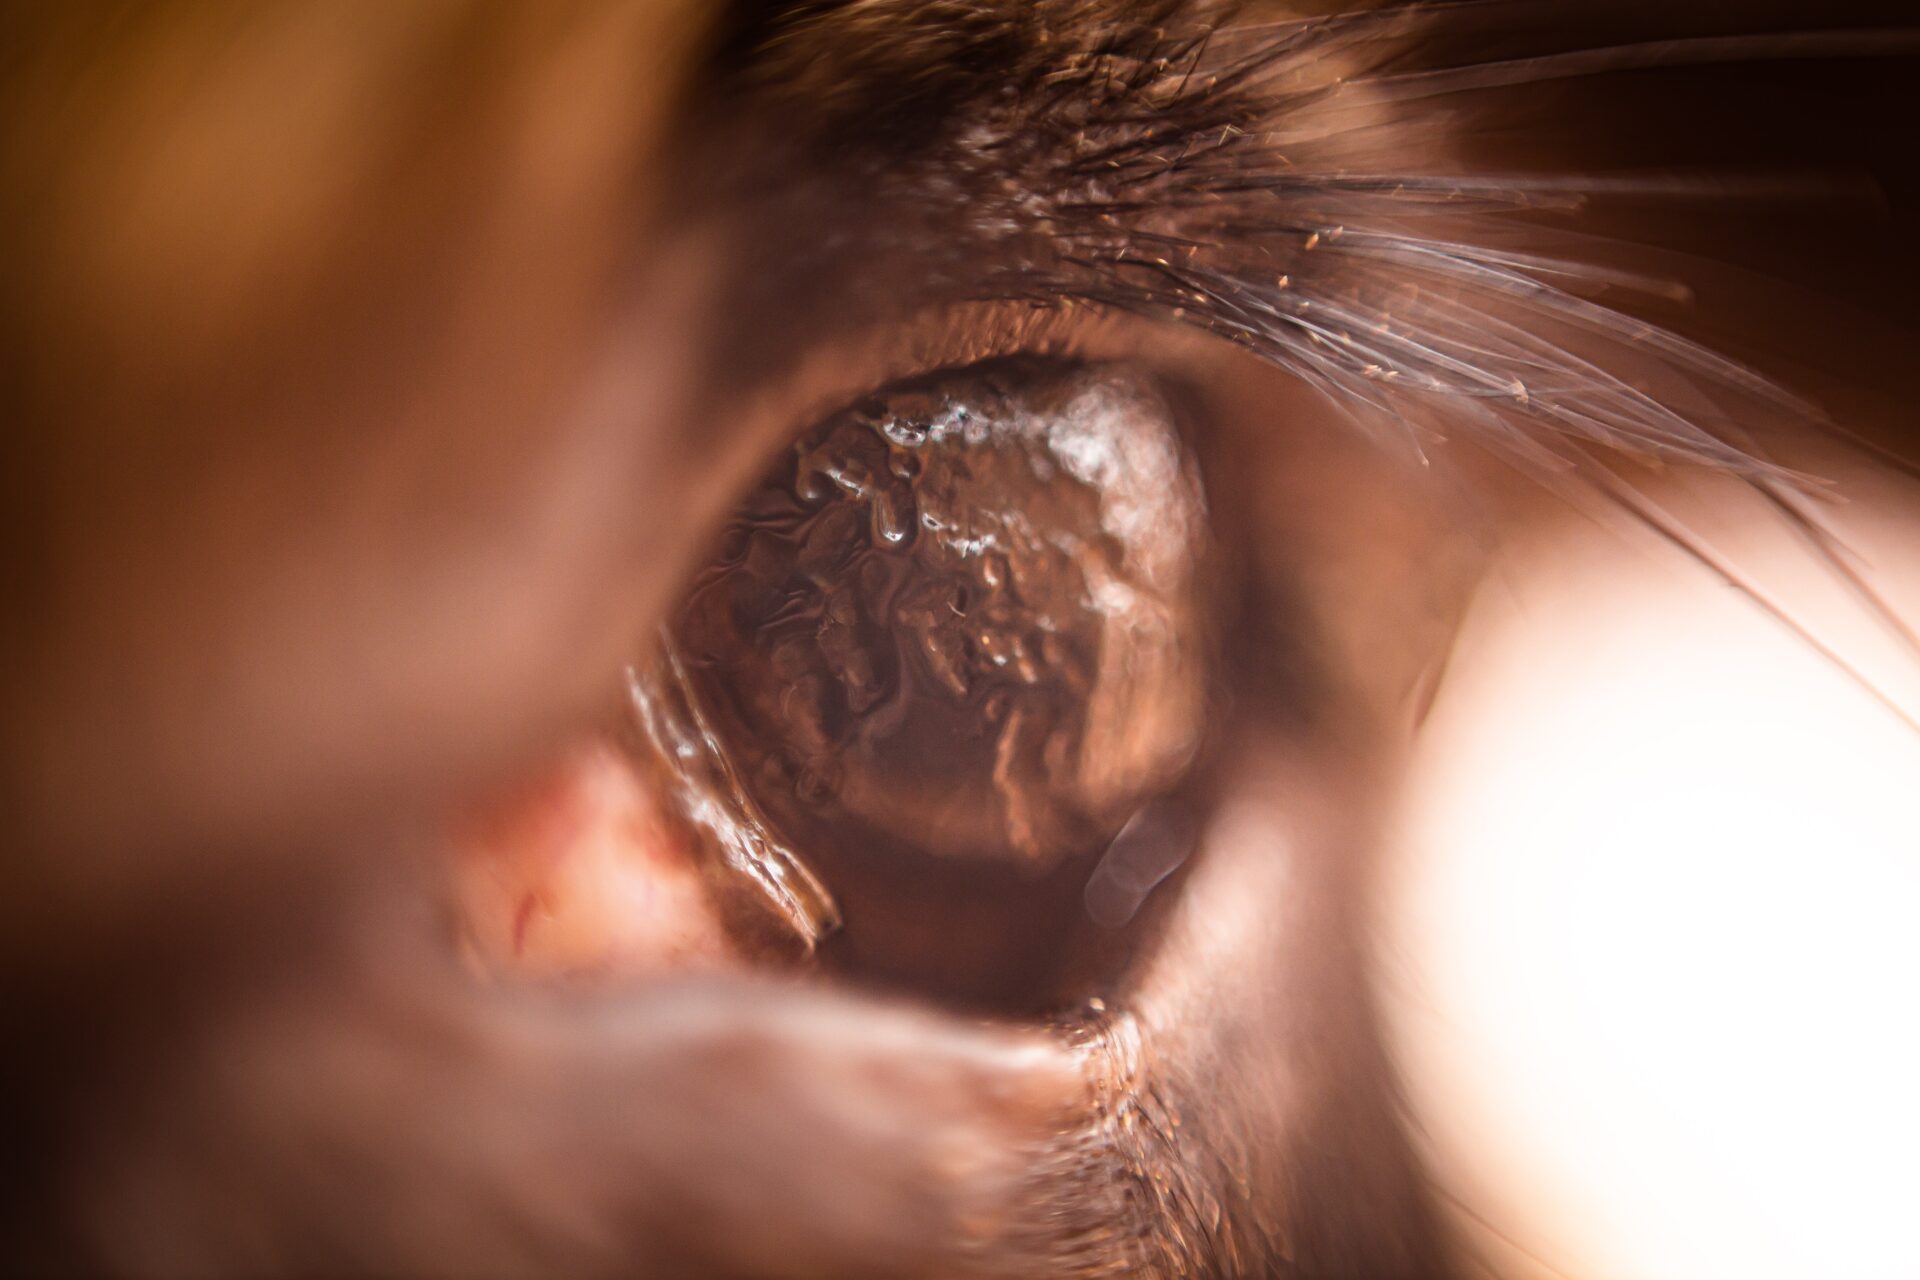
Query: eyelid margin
[841, 369]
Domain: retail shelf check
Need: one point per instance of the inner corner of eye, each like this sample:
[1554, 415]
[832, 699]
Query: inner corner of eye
[950, 645]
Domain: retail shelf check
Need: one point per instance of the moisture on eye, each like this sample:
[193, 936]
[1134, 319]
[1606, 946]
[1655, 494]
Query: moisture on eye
[962, 618]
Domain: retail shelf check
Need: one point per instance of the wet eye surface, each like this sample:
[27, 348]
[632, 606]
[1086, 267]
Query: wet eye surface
[952, 641]
[962, 620]
[949, 658]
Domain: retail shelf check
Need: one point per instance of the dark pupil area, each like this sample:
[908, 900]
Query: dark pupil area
[958, 623]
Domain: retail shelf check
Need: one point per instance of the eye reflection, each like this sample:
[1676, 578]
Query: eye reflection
[954, 643]
[947, 646]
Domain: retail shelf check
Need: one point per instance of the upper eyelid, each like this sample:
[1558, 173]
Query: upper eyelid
[838, 371]
[1065, 189]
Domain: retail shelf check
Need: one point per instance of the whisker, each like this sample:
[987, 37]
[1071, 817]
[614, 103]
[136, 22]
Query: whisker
[1670, 529]
[1689, 52]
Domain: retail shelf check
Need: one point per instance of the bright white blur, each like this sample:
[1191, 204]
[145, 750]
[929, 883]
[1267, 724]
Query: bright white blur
[1651, 946]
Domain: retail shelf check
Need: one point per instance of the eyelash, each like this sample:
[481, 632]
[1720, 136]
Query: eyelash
[1252, 205]
[1232, 181]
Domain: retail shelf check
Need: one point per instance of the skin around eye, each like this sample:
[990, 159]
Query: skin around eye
[583, 871]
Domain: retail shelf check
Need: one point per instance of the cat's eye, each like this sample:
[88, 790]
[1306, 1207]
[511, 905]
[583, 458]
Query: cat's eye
[955, 639]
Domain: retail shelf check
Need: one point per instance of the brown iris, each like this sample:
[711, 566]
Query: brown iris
[951, 642]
